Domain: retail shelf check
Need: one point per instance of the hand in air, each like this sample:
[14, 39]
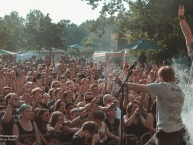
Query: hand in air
[116, 79]
[58, 127]
[181, 10]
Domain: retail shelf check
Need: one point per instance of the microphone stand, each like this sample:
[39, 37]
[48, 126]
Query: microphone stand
[121, 103]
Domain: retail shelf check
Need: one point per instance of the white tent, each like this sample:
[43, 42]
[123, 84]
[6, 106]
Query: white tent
[26, 55]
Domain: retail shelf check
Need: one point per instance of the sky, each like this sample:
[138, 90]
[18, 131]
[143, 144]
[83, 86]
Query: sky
[75, 10]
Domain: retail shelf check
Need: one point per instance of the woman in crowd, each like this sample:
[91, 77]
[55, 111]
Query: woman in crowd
[43, 117]
[26, 131]
[55, 128]
[103, 129]
[59, 106]
[113, 124]
[133, 121]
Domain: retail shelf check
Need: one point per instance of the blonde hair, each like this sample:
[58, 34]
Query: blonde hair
[167, 74]
[36, 90]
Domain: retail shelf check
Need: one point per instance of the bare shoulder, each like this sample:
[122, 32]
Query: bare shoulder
[15, 126]
[150, 115]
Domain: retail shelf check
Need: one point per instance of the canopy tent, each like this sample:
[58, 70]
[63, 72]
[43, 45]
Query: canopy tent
[4, 52]
[143, 45]
[26, 55]
[76, 46]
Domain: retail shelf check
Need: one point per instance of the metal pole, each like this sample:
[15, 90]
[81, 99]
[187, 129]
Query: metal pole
[50, 54]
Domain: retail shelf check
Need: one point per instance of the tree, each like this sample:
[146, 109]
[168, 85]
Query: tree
[73, 33]
[12, 32]
[32, 26]
[42, 32]
[92, 41]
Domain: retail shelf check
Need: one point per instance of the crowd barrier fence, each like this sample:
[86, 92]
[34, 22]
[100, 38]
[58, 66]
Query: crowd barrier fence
[138, 141]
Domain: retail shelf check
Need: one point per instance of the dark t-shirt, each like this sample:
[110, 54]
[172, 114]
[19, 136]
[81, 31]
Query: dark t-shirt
[76, 140]
[56, 138]
[44, 106]
[113, 128]
[51, 103]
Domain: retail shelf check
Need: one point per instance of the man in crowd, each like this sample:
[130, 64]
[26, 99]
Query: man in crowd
[10, 117]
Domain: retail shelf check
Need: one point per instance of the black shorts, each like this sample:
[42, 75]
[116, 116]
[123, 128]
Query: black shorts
[172, 138]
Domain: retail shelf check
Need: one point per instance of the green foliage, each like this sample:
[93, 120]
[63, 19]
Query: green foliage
[74, 34]
[91, 41]
[151, 19]
[42, 32]
[71, 51]
[11, 32]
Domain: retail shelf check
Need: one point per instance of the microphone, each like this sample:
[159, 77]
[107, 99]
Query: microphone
[133, 65]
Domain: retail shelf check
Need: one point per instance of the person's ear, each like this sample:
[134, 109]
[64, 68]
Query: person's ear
[160, 79]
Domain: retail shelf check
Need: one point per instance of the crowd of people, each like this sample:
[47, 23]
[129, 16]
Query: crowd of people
[52, 103]
[77, 102]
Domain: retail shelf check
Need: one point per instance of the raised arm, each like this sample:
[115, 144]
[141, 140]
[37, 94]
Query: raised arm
[104, 90]
[53, 62]
[8, 113]
[1, 83]
[186, 30]
[133, 86]
[81, 119]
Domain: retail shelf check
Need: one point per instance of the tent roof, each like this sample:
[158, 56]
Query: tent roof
[144, 45]
[75, 46]
[28, 53]
[4, 52]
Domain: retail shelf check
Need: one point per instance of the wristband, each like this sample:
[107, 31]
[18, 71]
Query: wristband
[181, 17]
